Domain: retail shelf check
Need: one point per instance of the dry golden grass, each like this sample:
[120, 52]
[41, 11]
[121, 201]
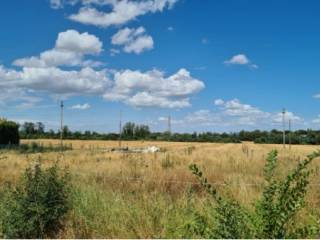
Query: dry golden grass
[238, 164]
[166, 172]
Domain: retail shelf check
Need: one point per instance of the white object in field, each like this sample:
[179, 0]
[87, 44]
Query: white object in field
[151, 149]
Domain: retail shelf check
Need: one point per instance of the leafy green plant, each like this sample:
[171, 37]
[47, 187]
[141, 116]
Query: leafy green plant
[282, 199]
[36, 207]
[232, 220]
[274, 214]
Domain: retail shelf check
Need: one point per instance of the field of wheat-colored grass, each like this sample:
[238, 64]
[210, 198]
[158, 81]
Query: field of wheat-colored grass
[143, 195]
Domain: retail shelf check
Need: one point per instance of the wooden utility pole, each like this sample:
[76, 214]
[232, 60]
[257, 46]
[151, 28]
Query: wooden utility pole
[169, 125]
[284, 127]
[120, 128]
[61, 124]
[290, 134]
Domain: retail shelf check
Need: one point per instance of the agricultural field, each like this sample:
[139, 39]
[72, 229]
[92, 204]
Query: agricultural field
[149, 195]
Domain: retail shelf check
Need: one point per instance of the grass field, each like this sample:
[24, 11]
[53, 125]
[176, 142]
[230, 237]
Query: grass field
[147, 195]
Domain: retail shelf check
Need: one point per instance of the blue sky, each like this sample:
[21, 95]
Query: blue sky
[212, 65]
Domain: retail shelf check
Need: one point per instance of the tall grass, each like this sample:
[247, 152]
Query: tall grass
[154, 195]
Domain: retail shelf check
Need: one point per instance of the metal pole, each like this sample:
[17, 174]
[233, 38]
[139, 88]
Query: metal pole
[284, 127]
[61, 124]
[120, 129]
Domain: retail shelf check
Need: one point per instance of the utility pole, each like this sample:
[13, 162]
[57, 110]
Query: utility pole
[120, 128]
[61, 124]
[169, 125]
[290, 134]
[284, 127]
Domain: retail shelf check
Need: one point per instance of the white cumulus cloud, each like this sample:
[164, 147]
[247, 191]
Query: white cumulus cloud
[70, 49]
[64, 71]
[84, 106]
[56, 81]
[152, 88]
[84, 43]
[133, 40]
[240, 59]
[120, 12]
[236, 115]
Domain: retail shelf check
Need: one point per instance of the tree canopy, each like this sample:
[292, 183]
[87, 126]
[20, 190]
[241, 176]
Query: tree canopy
[9, 132]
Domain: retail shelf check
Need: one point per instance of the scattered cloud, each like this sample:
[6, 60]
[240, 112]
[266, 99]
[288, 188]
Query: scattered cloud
[133, 40]
[55, 4]
[114, 52]
[235, 108]
[218, 102]
[70, 49]
[316, 120]
[241, 59]
[56, 81]
[18, 96]
[277, 118]
[84, 43]
[120, 12]
[316, 96]
[233, 113]
[49, 75]
[170, 28]
[152, 88]
[84, 106]
[135, 88]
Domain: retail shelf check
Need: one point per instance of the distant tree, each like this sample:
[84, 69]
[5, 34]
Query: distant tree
[128, 130]
[9, 132]
[29, 128]
[51, 133]
[66, 132]
[132, 131]
[141, 131]
[40, 128]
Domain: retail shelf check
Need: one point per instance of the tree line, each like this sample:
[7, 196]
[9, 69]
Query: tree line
[132, 131]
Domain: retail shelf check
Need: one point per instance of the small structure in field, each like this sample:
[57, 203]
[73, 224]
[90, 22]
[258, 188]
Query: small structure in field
[150, 149]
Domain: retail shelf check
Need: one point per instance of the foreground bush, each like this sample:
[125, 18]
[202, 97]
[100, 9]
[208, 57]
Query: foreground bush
[274, 214]
[9, 132]
[37, 206]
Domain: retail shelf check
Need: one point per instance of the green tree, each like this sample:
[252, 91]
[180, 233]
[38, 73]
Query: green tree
[141, 131]
[128, 130]
[9, 132]
[29, 128]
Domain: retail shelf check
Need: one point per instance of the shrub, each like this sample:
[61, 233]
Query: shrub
[274, 213]
[9, 132]
[37, 206]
